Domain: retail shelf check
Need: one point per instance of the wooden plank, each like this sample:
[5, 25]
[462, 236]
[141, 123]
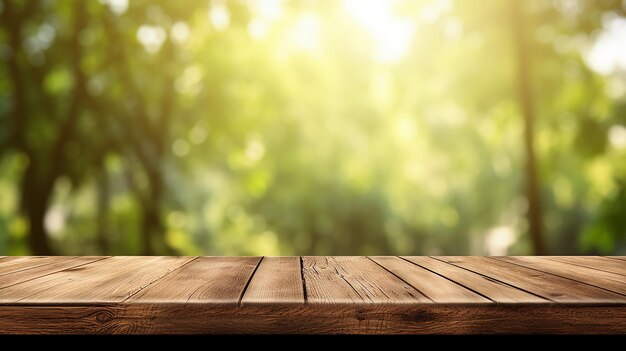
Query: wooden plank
[344, 279]
[492, 289]
[546, 285]
[13, 263]
[314, 319]
[208, 280]
[345, 295]
[594, 262]
[110, 280]
[435, 287]
[602, 279]
[621, 258]
[277, 280]
[60, 264]
[19, 263]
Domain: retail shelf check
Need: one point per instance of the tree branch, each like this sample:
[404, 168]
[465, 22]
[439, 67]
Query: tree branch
[69, 125]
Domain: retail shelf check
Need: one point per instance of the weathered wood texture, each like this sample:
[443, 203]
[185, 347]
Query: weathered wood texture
[312, 295]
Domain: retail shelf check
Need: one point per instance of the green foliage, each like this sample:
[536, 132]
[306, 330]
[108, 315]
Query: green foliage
[242, 128]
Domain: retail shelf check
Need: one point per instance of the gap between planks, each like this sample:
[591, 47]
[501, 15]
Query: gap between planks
[450, 279]
[299, 262]
[245, 288]
[602, 259]
[402, 280]
[555, 287]
[521, 264]
[496, 280]
[159, 278]
[306, 298]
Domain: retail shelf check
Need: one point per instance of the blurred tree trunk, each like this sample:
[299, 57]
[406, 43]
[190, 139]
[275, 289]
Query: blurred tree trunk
[525, 96]
[153, 226]
[47, 164]
[103, 202]
[153, 230]
[33, 198]
[34, 203]
[148, 138]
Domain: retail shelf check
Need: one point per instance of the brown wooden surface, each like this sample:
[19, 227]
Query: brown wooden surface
[37, 271]
[211, 280]
[493, 289]
[606, 280]
[436, 287]
[546, 285]
[376, 295]
[598, 263]
[277, 280]
[358, 280]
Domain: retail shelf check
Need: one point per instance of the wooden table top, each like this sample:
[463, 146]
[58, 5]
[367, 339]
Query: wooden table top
[457, 295]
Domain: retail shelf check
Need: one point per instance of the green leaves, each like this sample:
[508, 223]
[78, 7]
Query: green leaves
[287, 129]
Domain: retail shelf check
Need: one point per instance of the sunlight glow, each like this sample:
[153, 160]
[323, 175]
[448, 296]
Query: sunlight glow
[151, 37]
[219, 16]
[181, 148]
[257, 29]
[265, 12]
[180, 32]
[608, 53]
[431, 12]
[190, 81]
[306, 33]
[55, 220]
[617, 136]
[268, 9]
[255, 150]
[118, 7]
[405, 129]
[391, 33]
[499, 239]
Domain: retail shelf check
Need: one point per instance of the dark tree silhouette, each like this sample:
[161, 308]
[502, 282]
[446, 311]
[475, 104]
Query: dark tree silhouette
[526, 103]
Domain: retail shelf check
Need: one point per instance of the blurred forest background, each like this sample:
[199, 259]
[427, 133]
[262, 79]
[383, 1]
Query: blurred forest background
[312, 127]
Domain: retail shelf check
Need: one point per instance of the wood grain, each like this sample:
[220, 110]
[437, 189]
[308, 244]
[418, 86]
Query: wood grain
[346, 279]
[276, 280]
[602, 279]
[212, 280]
[16, 264]
[60, 264]
[548, 286]
[313, 319]
[311, 295]
[435, 287]
[593, 262]
[110, 280]
[494, 290]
